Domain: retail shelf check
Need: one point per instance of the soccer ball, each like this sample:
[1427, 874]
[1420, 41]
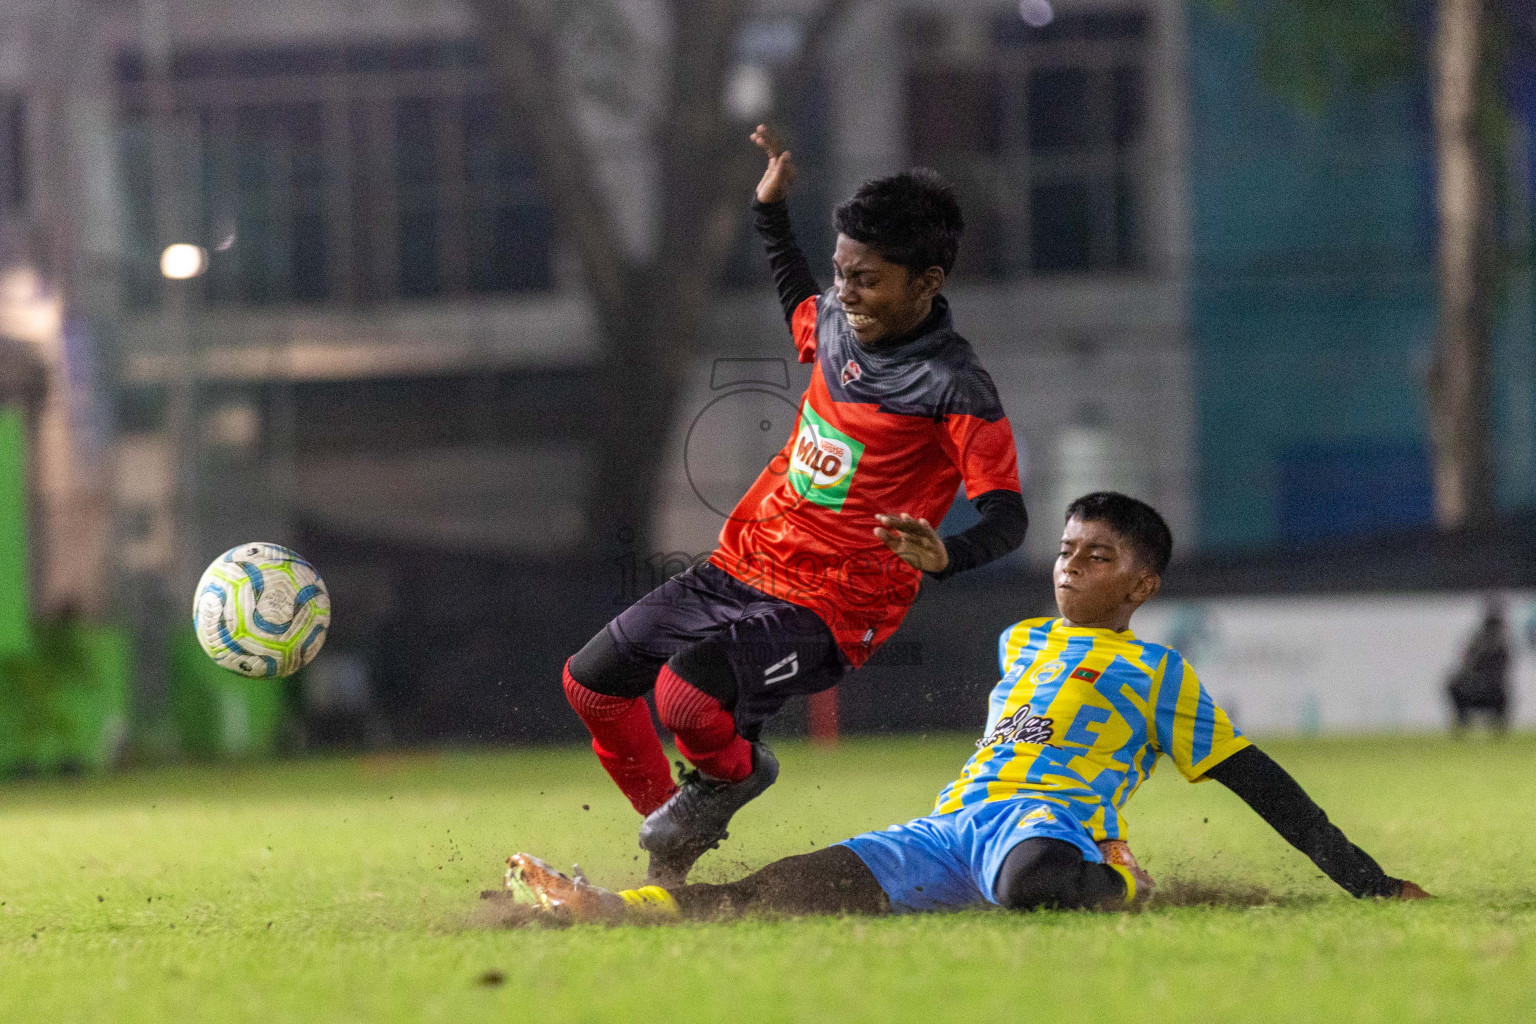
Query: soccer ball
[261, 611]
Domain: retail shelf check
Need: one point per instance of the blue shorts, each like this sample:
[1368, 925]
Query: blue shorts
[948, 861]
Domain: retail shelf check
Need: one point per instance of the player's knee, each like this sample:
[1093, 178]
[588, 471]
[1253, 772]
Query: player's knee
[706, 667]
[590, 705]
[601, 668]
[1024, 892]
[1035, 874]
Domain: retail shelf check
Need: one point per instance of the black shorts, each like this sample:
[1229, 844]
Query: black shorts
[747, 649]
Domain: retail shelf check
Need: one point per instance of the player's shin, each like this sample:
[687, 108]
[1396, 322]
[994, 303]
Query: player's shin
[625, 742]
[832, 880]
[704, 730]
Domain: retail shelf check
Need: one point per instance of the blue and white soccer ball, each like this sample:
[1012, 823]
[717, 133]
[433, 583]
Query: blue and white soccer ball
[261, 611]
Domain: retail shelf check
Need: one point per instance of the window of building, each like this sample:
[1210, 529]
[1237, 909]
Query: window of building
[342, 174]
[1043, 132]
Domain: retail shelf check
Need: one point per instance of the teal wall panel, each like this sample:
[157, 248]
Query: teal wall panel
[1312, 297]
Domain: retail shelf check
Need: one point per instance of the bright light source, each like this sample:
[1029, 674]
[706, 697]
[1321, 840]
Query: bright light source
[1036, 13]
[749, 92]
[182, 261]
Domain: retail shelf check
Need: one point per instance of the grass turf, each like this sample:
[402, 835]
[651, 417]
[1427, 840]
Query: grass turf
[342, 890]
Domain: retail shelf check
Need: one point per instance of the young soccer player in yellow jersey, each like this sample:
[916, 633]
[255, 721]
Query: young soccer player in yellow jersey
[1077, 723]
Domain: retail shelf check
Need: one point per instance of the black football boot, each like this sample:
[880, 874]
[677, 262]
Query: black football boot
[694, 819]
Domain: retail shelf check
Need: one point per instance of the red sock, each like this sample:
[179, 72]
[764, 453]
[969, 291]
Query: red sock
[626, 743]
[705, 732]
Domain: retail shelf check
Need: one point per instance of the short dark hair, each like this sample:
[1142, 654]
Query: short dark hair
[1136, 521]
[911, 219]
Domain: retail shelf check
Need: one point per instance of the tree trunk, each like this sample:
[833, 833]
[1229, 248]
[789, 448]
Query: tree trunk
[1459, 381]
[639, 386]
[649, 308]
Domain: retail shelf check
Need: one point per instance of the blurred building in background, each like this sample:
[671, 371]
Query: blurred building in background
[1184, 286]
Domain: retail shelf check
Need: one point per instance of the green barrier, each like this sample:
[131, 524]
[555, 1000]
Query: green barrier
[15, 613]
[64, 706]
[219, 713]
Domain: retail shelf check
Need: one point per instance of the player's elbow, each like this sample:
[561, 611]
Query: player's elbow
[1004, 512]
[1016, 522]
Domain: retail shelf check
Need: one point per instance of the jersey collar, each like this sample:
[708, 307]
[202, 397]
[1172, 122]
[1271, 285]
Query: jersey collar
[1059, 626]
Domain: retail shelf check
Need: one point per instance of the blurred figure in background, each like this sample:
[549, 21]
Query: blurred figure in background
[338, 705]
[1481, 683]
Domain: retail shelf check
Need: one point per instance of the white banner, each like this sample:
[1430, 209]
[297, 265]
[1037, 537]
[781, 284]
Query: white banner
[1351, 663]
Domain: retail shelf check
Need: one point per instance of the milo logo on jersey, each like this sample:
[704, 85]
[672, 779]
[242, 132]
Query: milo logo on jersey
[822, 465]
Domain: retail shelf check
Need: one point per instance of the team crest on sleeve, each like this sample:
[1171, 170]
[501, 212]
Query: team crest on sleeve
[851, 372]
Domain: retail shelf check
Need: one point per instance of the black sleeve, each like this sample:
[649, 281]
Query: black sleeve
[1280, 800]
[791, 273]
[1002, 527]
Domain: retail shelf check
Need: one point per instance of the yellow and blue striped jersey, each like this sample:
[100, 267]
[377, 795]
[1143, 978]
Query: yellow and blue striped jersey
[1079, 719]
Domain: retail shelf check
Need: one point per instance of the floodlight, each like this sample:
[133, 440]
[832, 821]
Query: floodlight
[181, 261]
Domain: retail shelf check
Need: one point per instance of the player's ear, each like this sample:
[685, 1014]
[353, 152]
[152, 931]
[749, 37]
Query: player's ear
[1147, 587]
[929, 283]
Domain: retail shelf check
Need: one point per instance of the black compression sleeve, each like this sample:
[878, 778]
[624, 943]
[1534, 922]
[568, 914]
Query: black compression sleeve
[1277, 798]
[1043, 872]
[791, 273]
[1002, 528]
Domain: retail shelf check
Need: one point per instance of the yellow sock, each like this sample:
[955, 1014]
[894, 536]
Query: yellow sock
[1130, 881]
[650, 901]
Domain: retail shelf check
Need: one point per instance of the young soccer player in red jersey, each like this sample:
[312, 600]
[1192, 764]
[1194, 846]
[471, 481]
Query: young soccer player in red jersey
[819, 561]
[1082, 715]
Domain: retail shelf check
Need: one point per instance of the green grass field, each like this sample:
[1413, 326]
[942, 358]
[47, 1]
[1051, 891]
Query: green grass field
[346, 890]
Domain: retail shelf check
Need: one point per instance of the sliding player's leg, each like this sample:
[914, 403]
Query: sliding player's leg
[1006, 853]
[714, 696]
[829, 881]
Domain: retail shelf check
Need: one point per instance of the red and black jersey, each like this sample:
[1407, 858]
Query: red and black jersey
[894, 429]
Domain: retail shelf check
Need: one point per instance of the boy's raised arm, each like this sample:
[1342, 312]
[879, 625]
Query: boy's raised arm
[1277, 798]
[791, 272]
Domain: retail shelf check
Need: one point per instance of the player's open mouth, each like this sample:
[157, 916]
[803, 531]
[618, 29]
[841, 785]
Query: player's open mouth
[859, 321]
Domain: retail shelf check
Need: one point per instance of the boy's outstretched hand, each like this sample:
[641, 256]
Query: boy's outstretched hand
[780, 174]
[913, 540]
[1411, 891]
